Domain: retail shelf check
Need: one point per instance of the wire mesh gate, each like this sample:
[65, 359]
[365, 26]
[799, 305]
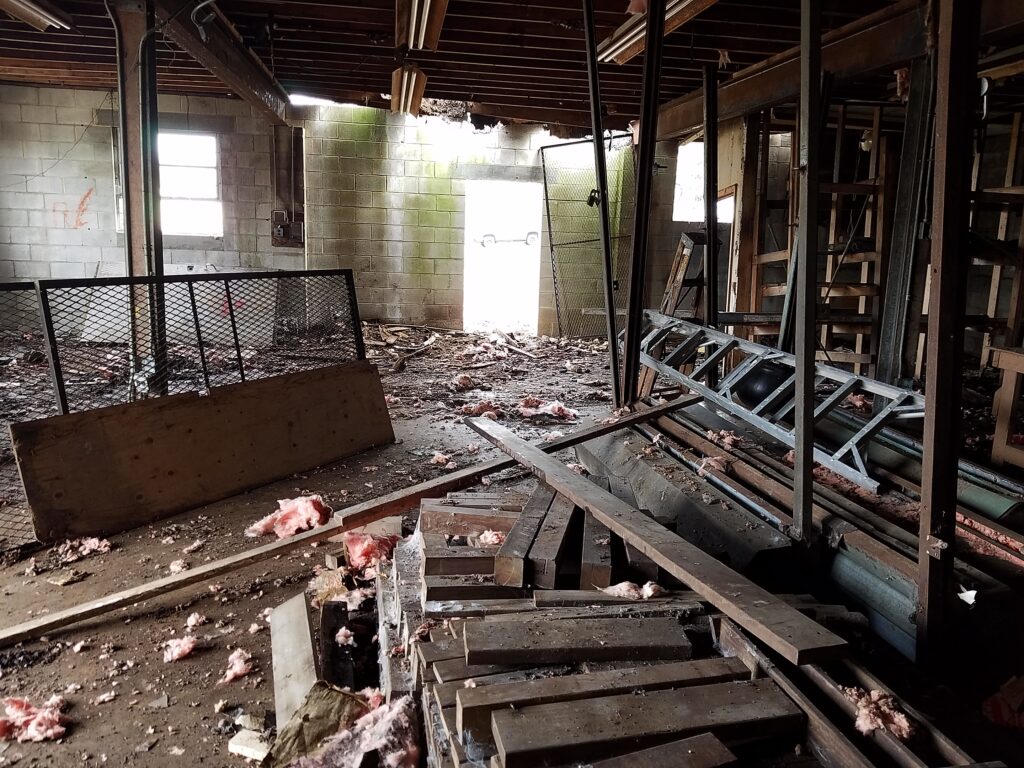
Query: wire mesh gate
[570, 193]
[75, 345]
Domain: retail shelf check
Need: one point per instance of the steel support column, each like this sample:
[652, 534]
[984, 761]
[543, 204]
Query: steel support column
[641, 220]
[956, 66]
[601, 177]
[711, 195]
[807, 265]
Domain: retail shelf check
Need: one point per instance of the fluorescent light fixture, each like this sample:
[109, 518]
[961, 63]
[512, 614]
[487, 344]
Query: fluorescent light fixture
[37, 13]
[407, 84]
[631, 34]
[422, 23]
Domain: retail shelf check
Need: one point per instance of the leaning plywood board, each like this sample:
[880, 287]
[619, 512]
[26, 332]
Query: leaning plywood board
[571, 640]
[798, 638]
[567, 732]
[474, 705]
[396, 502]
[106, 470]
[294, 657]
[703, 751]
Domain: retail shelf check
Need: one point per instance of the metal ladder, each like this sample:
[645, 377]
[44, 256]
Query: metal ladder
[705, 349]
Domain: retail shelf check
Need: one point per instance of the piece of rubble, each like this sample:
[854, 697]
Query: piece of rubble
[249, 722]
[73, 550]
[65, 577]
[178, 566]
[160, 702]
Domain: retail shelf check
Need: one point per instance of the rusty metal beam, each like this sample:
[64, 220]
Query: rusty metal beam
[224, 54]
[957, 56]
[877, 42]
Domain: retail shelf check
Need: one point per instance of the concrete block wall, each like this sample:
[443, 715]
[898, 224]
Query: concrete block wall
[386, 196]
[57, 186]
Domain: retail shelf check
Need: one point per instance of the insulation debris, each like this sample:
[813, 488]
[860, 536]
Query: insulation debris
[724, 437]
[440, 458]
[75, 549]
[711, 464]
[366, 549]
[178, 566]
[579, 469]
[195, 620]
[461, 382]
[532, 407]
[859, 403]
[390, 730]
[631, 591]
[473, 449]
[178, 648]
[195, 546]
[239, 665]
[105, 698]
[491, 538]
[485, 408]
[877, 710]
[1006, 706]
[23, 721]
[292, 516]
[345, 637]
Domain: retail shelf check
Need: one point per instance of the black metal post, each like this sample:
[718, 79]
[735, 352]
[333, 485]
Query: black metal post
[199, 333]
[551, 243]
[353, 307]
[641, 220]
[807, 265]
[601, 175]
[52, 352]
[234, 328]
[711, 195]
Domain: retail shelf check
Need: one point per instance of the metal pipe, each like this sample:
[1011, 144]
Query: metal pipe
[711, 197]
[806, 266]
[601, 175]
[641, 219]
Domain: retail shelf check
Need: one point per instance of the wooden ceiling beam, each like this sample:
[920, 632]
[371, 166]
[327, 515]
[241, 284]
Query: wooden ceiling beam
[579, 118]
[676, 14]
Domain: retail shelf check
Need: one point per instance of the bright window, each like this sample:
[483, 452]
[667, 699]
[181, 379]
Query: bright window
[688, 201]
[189, 190]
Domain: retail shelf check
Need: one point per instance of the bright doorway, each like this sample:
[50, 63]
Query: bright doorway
[501, 284]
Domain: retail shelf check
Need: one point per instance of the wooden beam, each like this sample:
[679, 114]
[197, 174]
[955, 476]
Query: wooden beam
[957, 54]
[527, 114]
[701, 751]
[417, 32]
[549, 545]
[224, 55]
[511, 562]
[782, 627]
[675, 17]
[355, 516]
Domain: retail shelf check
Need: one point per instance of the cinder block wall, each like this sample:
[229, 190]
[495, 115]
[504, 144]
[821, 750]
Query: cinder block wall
[57, 185]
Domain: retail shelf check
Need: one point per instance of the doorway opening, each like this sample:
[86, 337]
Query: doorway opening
[501, 282]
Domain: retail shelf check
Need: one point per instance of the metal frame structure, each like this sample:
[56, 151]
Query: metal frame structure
[849, 460]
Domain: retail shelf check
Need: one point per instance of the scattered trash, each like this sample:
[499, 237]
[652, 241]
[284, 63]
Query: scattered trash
[485, 408]
[292, 516]
[239, 665]
[532, 407]
[178, 648]
[75, 549]
[389, 730]
[161, 702]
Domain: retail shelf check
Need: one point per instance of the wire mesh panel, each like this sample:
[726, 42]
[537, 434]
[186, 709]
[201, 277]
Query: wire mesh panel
[577, 258]
[26, 392]
[123, 339]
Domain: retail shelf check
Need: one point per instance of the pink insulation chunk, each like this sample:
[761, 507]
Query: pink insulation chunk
[631, 591]
[345, 637]
[195, 620]
[485, 408]
[491, 539]
[529, 407]
[178, 648]
[239, 665]
[75, 549]
[367, 549]
[23, 721]
[292, 516]
[391, 731]
[877, 710]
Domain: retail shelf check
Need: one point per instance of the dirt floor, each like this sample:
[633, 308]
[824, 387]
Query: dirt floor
[122, 653]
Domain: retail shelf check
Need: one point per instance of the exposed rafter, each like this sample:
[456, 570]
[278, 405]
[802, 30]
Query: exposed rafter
[628, 40]
[418, 23]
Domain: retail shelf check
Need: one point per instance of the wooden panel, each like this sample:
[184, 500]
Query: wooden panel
[511, 564]
[294, 658]
[571, 598]
[555, 642]
[106, 470]
[472, 587]
[474, 705]
[438, 517]
[596, 557]
[457, 669]
[461, 609]
[589, 728]
[455, 561]
[703, 751]
[782, 627]
[550, 542]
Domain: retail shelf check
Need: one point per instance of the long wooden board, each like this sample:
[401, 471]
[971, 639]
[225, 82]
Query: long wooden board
[596, 557]
[573, 598]
[295, 660]
[471, 587]
[365, 512]
[510, 564]
[783, 628]
[549, 545]
[702, 751]
[474, 705]
[572, 731]
[106, 470]
[569, 640]
[436, 517]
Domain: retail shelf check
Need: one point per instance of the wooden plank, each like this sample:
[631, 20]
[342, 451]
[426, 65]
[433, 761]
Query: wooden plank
[568, 732]
[335, 660]
[436, 517]
[647, 609]
[446, 693]
[439, 650]
[511, 563]
[596, 556]
[475, 705]
[396, 502]
[462, 609]
[512, 502]
[571, 598]
[787, 631]
[572, 640]
[295, 661]
[703, 751]
[110, 469]
[457, 561]
[550, 542]
[457, 669]
[471, 587]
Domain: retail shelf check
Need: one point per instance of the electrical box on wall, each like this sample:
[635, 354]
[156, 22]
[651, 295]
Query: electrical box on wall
[287, 219]
[284, 232]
